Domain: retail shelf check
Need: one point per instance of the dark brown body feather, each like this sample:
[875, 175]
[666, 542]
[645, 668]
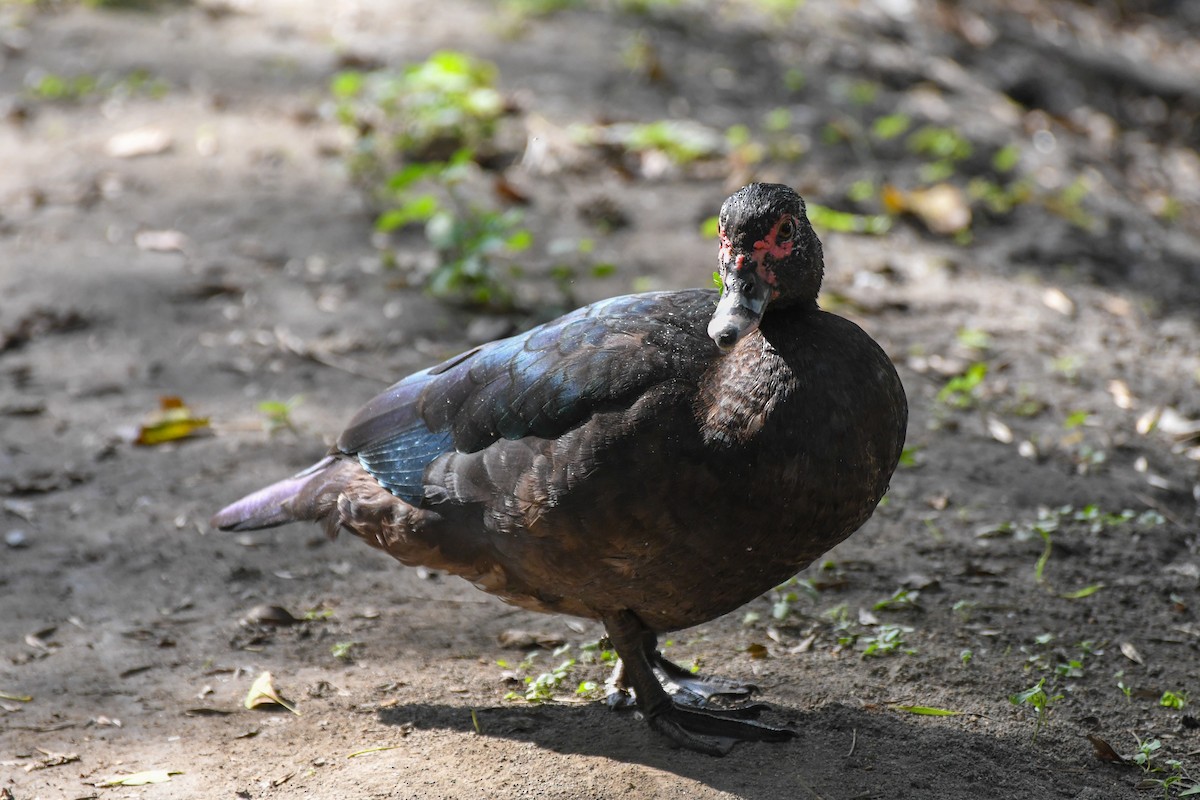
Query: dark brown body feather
[707, 491]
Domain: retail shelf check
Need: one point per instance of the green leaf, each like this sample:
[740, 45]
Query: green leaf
[412, 173]
[927, 711]
[347, 84]
[1006, 158]
[1075, 419]
[710, 228]
[1086, 591]
[365, 751]
[891, 126]
[1035, 693]
[1040, 566]
[519, 240]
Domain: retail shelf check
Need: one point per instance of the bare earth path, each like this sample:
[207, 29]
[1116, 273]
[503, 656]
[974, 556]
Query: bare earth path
[122, 643]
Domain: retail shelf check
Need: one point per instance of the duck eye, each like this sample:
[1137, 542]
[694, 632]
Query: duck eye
[787, 229]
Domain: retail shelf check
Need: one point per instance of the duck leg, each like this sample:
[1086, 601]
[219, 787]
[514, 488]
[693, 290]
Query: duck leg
[711, 731]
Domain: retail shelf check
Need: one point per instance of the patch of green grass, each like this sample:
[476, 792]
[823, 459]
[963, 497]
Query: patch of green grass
[862, 93]
[1068, 204]
[343, 651]
[826, 218]
[474, 244]
[777, 120]
[962, 391]
[681, 142]
[939, 143]
[525, 9]
[1000, 199]
[890, 126]
[974, 338]
[1076, 418]
[1006, 158]
[64, 88]
[901, 599]
[861, 191]
[543, 686]
[908, 457]
[786, 596]
[422, 112]
[1176, 783]
[52, 87]
[887, 640]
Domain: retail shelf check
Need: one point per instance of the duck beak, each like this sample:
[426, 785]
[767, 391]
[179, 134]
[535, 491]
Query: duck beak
[740, 309]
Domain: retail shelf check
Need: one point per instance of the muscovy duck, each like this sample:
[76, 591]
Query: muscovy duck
[651, 461]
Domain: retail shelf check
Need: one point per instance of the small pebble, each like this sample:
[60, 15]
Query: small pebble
[16, 539]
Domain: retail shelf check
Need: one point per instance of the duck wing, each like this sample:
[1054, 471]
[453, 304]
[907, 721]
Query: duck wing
[541, 383]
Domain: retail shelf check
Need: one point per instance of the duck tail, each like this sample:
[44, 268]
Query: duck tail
[310, 495]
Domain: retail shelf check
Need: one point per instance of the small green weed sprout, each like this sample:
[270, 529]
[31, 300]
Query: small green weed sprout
[1171, 699]
[902, 599]
[542, 687]
[888, 640]
[343, 651]
[278, 414]
[422, 112]
[962, 391]
[1037, 698]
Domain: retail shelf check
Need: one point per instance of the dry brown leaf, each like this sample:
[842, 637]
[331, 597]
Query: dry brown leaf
[1056, 300]
[999, 431]
[756, 650]
[1130, 652]
[1122, 397]
[142, 778]
[1177, 426]
[942, 207]
[51, 759]
[263, 693]
[161, 241]
[1147, 421]
[141, 142]
[268, 615]
[523, 640]
[805, 644]
[1104, 750]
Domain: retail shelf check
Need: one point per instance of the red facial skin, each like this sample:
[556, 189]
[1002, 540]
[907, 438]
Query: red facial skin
[768, 246]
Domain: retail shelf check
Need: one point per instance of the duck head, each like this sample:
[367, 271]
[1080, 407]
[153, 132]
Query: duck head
[769, 256]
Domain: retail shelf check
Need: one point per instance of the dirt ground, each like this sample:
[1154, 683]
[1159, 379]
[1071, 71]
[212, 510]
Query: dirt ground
[124, 639]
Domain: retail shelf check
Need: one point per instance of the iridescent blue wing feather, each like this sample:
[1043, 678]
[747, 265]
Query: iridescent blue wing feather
[541, 383]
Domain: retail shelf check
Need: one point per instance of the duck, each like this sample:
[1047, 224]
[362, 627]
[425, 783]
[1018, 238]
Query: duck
[651, 461]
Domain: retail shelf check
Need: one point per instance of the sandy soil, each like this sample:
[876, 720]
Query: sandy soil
[124, 644]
